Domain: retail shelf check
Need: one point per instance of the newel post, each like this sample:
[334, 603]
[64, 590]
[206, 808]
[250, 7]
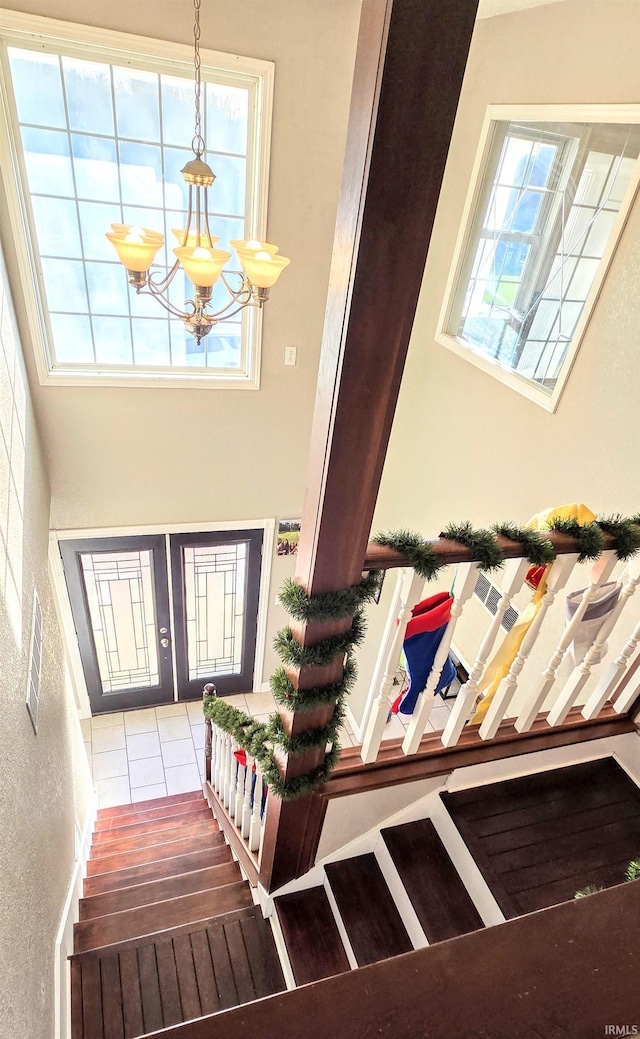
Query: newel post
[410, 62]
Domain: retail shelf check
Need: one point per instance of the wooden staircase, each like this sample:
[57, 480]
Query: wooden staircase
[168, 930]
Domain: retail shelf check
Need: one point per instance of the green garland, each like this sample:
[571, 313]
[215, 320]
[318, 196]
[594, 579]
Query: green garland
[331, 606]
[626, 532]
[589, 536]
[416, 550]
[537, 549]
[286, 695]
[481, 543]
[322, 653]
[310, 738]
[300, 786]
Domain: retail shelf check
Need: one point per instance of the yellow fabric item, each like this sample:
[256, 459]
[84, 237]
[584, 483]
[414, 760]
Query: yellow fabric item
[499, 667]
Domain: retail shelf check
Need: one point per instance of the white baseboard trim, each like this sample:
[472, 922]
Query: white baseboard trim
[64, 938]
[281, 948]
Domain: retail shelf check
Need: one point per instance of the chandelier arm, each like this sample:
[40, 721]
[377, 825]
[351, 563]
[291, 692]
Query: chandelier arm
[159, 285]
[244, 288]
[249, 303]
[161, 300]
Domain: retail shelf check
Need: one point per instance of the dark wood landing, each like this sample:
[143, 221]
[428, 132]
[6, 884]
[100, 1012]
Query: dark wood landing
[440, 899]
[138, 987]
[311, 936]
[538, 839]
[369, 914]
[159, 890]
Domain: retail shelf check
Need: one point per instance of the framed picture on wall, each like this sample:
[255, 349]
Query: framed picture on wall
[288, 537]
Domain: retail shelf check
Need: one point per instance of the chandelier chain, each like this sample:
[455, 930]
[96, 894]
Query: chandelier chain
[198, 143]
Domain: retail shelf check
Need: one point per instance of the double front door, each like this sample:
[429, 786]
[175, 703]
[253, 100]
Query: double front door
[159, 616]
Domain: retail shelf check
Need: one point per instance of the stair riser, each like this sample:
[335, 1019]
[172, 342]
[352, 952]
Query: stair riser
[109, 863]
[150, 838]
[154, 822]
[158, 890]
[149, 920]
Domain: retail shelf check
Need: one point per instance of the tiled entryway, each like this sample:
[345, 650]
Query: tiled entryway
[138, 755]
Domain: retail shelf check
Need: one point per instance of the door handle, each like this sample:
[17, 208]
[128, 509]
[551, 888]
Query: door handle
[164, 643]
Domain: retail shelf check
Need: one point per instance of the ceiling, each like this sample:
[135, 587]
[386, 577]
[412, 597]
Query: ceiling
[489, 8]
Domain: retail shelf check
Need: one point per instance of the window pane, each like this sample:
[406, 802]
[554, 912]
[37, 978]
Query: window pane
[46, 156]
[227, 118]
[228, 192]
[141, 174]
[177, 111]
[137, 112]
[72, 338]
[65, 285]
[88, 90]
[151, 341]
[112, 337]
[223, 346]
[108, 292]
[96, 168]
[95, 221]
[38, 87]
[56, 222]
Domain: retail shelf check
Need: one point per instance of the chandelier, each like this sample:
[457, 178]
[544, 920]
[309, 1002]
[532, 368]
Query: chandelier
[196, 253]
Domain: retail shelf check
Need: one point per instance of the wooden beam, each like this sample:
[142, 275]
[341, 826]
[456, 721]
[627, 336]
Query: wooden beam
[410, 62]
[562, 973]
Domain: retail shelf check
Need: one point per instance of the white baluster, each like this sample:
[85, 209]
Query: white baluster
[628, 695]
[580, 675]
[408, 592]
[240, 785]
[514, 574]
[217, 758]
[227, 757]
[556, 579]
[263, 821]
[233, 779]
[611, 679]
[246, 801]
[256, 822]
[600, 572]
[465, 582]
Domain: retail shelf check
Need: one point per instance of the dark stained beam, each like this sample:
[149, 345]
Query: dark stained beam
[410, 63]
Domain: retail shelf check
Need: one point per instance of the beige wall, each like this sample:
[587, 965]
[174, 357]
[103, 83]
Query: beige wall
[45, 784]
[465, 446]
[121, 457]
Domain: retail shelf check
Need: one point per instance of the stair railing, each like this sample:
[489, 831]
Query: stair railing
[237, 794]
[522, 700]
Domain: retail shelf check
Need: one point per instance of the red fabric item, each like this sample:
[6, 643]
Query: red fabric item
[535, 575]
[430, 614]
[241, 757]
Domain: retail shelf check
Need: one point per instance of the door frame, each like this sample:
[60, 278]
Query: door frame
[63, 604]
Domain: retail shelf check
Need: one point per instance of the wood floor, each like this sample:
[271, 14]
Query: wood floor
[540, 838]
[168, 930]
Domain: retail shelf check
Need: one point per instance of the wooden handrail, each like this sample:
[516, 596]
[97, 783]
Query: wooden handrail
[379, 557]
[567, 972]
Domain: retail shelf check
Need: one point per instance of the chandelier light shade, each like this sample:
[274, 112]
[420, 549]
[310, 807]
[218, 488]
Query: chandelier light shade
[196, 252]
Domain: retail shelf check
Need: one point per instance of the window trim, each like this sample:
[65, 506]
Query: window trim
[621, 113]
[89, 43]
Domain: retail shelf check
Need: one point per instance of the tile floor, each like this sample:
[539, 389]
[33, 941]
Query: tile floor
[138, 755]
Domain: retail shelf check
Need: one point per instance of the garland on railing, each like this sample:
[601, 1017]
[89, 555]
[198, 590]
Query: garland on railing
[537, 549]
[262, 741]
[330, 606]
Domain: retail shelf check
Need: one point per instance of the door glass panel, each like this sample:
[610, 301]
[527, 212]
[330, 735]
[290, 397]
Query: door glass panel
[120, 596]
[215, 589]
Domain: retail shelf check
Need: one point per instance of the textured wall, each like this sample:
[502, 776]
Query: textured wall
[44, 778]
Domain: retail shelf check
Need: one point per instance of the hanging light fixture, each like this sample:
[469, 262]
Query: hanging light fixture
[196, 252]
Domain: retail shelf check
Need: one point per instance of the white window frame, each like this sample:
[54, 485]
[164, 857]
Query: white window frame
[532, 113]
[82, 41]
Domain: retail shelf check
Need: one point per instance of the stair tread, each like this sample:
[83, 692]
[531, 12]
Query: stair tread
[158, 982]
[158, 890]
[159, 869]
[370, 916]
[150, 837]
[139, 856]
[311, 935]
[171, 816]
[153, 803]
[440, 899]
[156, 917]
